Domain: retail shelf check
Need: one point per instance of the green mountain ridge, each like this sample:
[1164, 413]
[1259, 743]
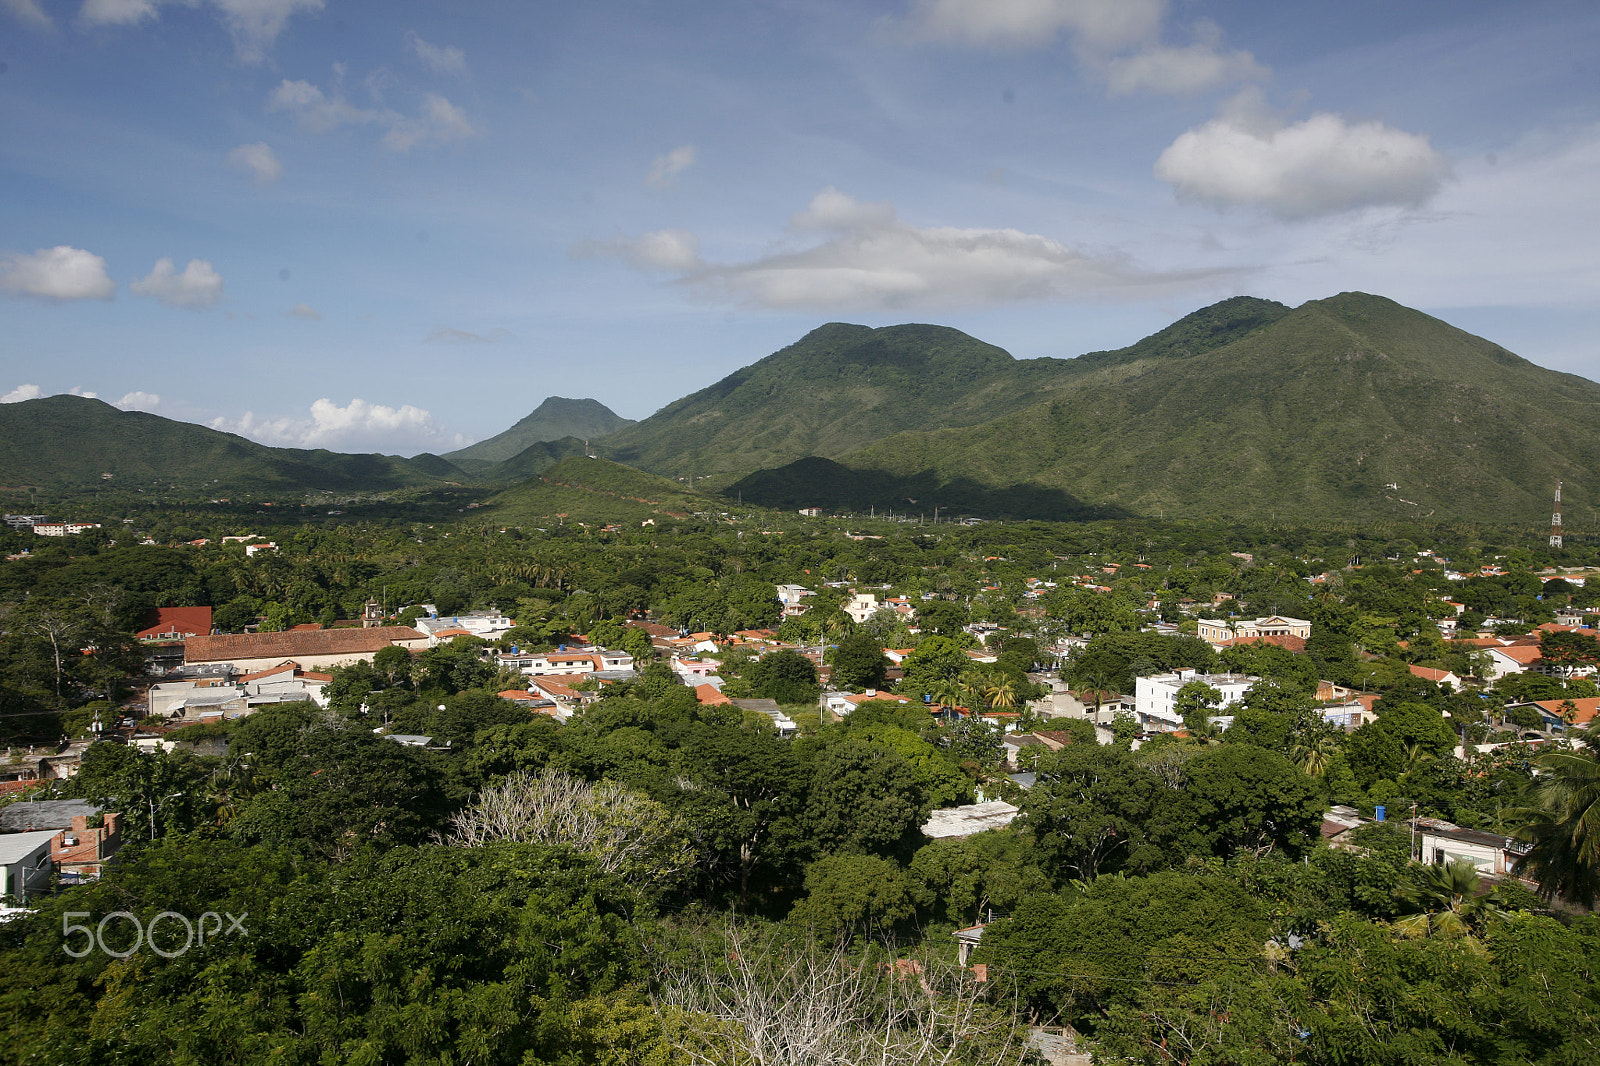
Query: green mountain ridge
[71, 442]
[557, 417]
[1352, 407]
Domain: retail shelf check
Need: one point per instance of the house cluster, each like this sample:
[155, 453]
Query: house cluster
[43, 527]
[561, 682]
[70, 841]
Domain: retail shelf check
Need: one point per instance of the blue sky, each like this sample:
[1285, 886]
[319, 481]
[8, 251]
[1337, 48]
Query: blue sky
[399, 226]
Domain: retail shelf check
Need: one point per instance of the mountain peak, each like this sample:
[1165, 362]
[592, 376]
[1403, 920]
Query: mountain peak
[555, 418]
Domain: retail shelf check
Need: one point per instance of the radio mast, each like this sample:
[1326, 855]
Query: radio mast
[1555, 520]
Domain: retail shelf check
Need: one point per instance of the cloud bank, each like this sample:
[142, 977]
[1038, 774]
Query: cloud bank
[22, 392]
[139, 400]
[61, 273]
[358, 426]
[869, 259]
[198, 287]
[1323, 165]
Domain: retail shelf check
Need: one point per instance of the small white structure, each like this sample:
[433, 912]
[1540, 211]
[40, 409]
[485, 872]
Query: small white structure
[1155, 697]
[969, 819]
[25, 864]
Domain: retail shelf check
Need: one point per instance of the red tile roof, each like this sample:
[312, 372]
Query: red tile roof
[294, 644]
[176, 621]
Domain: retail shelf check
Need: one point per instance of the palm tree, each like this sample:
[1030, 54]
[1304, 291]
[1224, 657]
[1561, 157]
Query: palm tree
[1313, 758]
[1445, 900]
[1564, 824]
[1000, 693]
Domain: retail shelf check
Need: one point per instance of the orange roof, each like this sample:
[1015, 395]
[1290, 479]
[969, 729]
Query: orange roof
[710, 695]
[178, 621]
[294, 643]
[1586, 708]
[1522, 653]
[1428, 673]
[1290, 643]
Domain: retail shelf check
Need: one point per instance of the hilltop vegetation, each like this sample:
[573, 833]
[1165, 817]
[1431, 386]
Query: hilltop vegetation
[65, 442]
[592, 491]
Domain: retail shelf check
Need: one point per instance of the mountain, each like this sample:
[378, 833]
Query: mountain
[842, 387]
[1353, 408]
[838, 388]
[69, 442]
[595, 492]
[557, 417]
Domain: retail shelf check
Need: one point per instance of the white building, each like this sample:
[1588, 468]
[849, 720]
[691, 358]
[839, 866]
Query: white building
[1155, 697]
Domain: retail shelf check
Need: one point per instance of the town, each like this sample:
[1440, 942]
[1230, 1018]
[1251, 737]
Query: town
[933, 743]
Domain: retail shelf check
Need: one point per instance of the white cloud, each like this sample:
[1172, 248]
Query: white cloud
[438, 121]
[305, 311]
[1103, 26]
[1118, 41]
[85, 393]
[253, 24]
[28, 12]
[446, 335]
[871, 260]
[139, 401]
[1323, 165]
[357, 426]
[22, 392]
[258, 160]
[445, 59]
[59, 273]
[666, 167]
[199, 286]
[1199, 66]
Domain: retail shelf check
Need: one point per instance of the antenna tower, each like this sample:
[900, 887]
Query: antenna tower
[1555, 520]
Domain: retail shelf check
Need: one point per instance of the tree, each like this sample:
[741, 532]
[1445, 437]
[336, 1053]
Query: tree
[849, 895]
[1446, 900]
[1239, 797]
[1563, 824]
[785, 676]
[754, 999]
[1087, 810]
[859, 662]
[1195, 703]
[864, 799]
[626, 833]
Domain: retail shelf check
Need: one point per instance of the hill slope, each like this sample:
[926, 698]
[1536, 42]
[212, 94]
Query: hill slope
[69, 442]
[1352, 407]
[555, 418]
[595, 492]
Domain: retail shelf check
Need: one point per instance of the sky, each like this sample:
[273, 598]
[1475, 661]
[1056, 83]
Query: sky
[398, 226]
